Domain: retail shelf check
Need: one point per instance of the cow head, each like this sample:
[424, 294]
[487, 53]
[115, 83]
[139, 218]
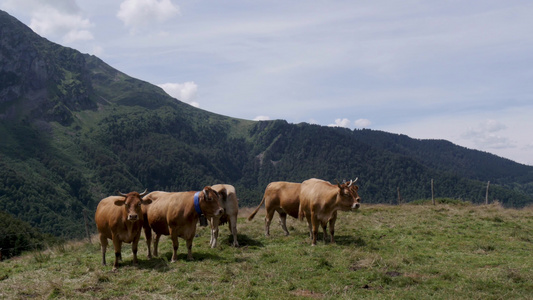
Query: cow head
[132, 204]
[209, 203]
[349, 199]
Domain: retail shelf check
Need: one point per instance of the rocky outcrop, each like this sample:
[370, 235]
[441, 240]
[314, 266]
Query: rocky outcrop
[40, 80]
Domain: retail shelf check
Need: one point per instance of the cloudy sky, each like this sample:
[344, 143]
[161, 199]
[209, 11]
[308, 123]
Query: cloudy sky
[455, 70]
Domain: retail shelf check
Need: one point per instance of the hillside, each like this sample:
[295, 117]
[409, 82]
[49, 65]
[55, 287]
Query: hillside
[75, 130]
[382, 252]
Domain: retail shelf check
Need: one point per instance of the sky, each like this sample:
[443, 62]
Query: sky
[455, 70]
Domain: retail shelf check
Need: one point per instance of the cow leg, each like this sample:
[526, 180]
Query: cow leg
[283, 222]
[156, 243]
[103, 244]
[268, 220]
[214, 232]
[232, 221]
[309, 226]
[189, 248]
[325, 230]
[175, 245]
[135, 247]
[314, 224]
[332, 227]
[148, 236]
[118, 252]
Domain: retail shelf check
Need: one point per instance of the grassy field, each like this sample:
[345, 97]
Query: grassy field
[382, 252]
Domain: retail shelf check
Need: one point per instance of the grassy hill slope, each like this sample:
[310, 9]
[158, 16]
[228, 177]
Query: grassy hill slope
[460, 251]
[74, 130]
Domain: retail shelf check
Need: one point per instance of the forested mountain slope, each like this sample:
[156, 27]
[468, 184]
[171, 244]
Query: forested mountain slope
[74, 130]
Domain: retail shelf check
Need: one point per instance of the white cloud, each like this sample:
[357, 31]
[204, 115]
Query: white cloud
[362, 123]
[61, 19]
[341, 123]
[97, 50]
[182, 91]
[488, 135]
[262, 118]
[137, 13]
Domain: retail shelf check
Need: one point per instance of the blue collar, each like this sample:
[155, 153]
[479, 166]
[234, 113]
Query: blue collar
[197, 203]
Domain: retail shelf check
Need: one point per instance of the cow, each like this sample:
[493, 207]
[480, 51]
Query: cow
[177, 213]
[320, 201]
[283, 197]
[228, 201]
[120, 219]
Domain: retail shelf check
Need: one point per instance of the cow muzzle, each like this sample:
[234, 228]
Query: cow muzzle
[133, 217]
[355, 206]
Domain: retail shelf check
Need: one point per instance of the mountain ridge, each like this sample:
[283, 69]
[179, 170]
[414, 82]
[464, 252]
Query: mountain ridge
[75, 130]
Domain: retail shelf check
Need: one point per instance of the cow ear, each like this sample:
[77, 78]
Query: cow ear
[223, 194]
[205, 191]
[120, 202]
[146, 201]
[356, 187]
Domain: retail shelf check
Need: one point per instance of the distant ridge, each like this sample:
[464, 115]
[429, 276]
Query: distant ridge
[75, 130]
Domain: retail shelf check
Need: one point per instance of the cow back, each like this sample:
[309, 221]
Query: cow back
[317, 195]
[228, 201]
[285, 195]
[157, 212]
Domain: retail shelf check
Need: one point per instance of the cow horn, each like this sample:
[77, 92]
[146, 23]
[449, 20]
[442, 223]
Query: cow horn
[205, 194]
[144, 193]
[350, 184]
[121, 194]
[353, 181]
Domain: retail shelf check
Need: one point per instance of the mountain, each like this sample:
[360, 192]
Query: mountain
[74, 130]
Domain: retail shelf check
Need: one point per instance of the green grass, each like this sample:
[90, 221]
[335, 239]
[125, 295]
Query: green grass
[382, 252]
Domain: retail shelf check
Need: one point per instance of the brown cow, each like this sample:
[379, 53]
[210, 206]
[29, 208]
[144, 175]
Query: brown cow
[320, 200]
[120, 219]
[283, 197]
[228, 201]
[176, 214]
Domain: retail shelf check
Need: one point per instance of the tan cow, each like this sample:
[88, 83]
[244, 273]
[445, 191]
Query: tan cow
[176, 214]
[283, 197]
[120, 219]
[228, 201]
[320, 201]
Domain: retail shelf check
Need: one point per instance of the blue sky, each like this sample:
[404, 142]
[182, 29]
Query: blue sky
[455, 70]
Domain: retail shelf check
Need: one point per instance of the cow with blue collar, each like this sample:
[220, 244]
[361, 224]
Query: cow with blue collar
[177, 213]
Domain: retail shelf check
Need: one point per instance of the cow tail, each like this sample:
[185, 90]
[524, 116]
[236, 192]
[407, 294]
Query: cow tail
[300, 212]
[256, 210]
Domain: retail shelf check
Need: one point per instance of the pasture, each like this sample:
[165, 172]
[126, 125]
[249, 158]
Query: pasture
[382, 252]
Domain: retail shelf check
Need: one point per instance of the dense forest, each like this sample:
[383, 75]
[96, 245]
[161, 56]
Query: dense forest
[17, 236]
[74, 130]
